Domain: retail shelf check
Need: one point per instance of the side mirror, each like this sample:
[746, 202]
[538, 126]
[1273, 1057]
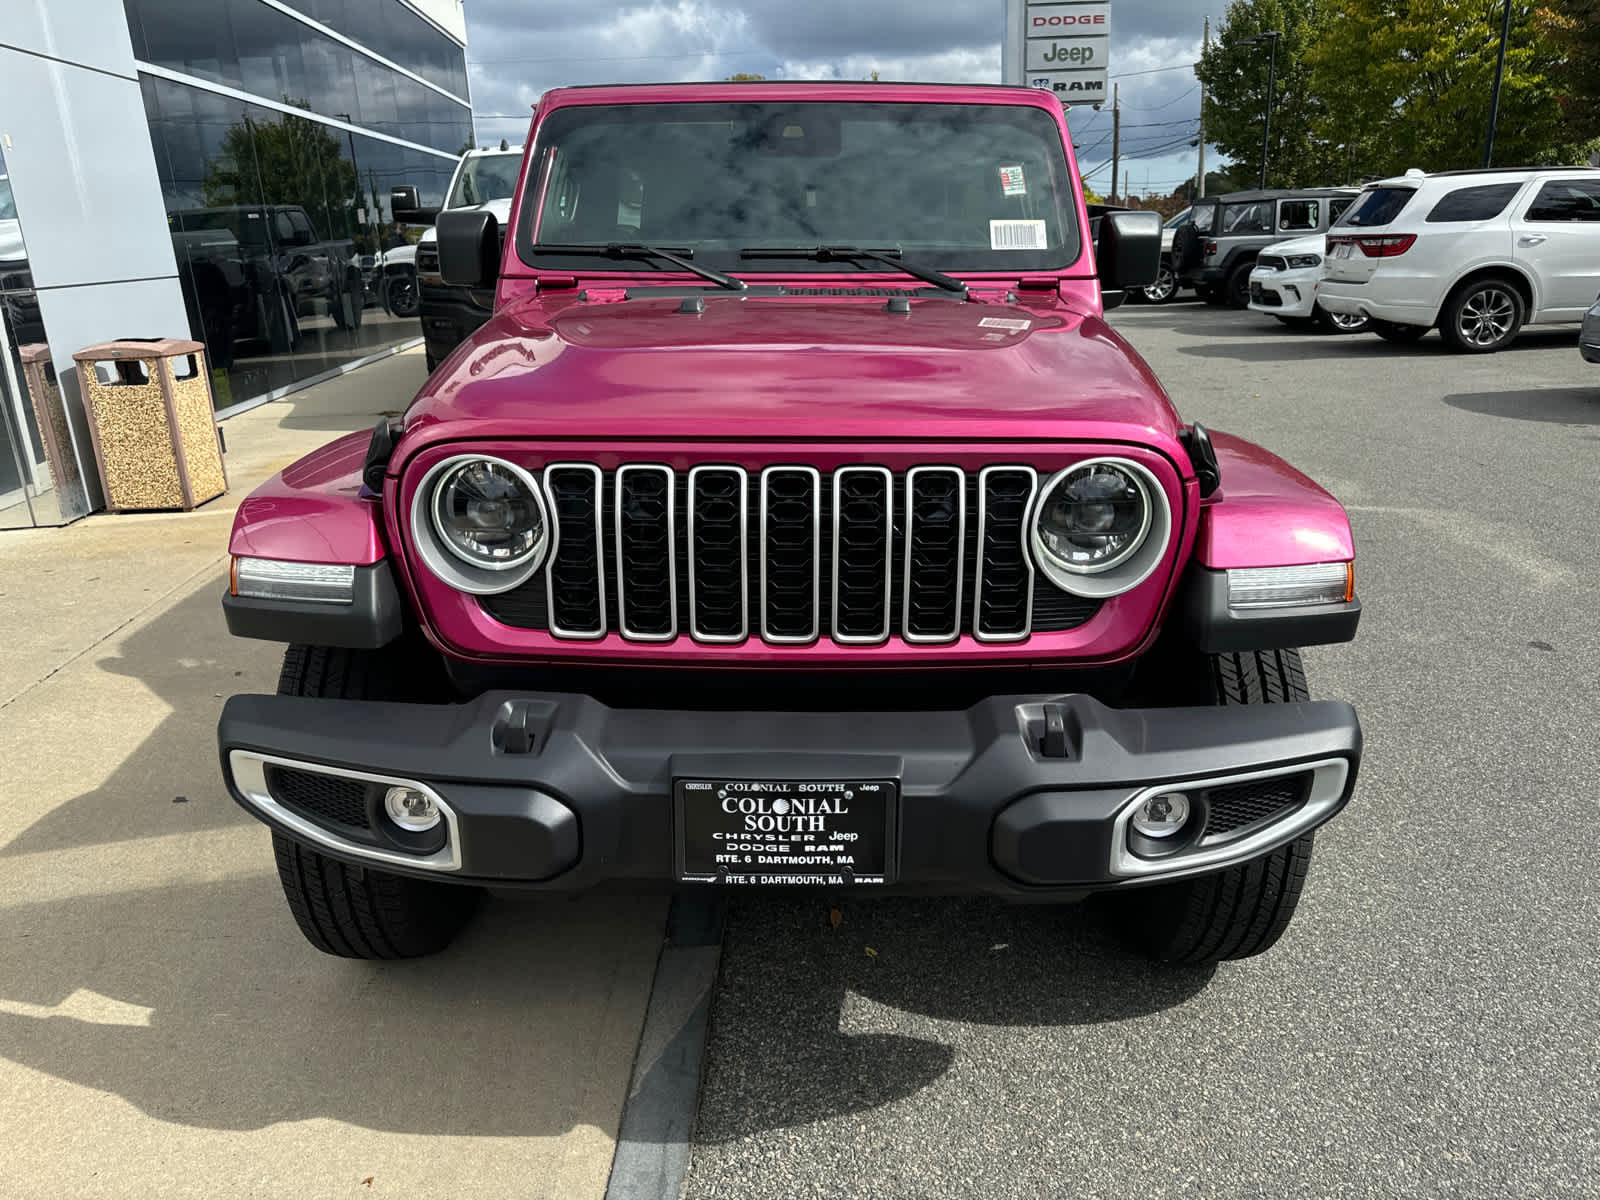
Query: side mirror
[469, 247]
[405, 206]
[1128, 250]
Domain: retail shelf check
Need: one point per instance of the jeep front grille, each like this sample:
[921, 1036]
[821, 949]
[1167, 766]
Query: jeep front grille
[789, 555]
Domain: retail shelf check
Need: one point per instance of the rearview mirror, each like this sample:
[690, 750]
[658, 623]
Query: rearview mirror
[469, 247]
[405, 205]
[1127, 251]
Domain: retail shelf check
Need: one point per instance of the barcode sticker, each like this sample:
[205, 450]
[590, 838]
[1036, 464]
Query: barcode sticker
[1017, 235]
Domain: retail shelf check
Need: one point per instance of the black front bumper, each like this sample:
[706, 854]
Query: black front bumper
[1018, 794]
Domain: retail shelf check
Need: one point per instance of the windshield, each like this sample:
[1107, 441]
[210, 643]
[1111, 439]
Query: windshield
[952, 186]
[1377, 206]
[484, 178]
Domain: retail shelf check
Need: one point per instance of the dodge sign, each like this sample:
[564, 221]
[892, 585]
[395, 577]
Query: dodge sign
[1060, 45]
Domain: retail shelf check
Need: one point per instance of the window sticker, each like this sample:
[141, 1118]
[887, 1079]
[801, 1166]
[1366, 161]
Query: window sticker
[1017, 235]
[1011, 181]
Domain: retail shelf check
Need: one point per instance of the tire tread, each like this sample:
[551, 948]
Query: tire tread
[1242, 910]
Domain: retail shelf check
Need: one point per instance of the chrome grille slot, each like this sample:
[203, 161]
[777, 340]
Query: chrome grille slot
[718, 519]
[1002, 582]
[863, 537]
[936, 529]
[647, 582]
[575, 574]
[791, 553]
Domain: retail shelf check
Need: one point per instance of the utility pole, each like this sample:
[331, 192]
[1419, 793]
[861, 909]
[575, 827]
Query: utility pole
[1116, 137]
[1494, 96]
[1205, 44]
[1271, 37]
[1266, 120]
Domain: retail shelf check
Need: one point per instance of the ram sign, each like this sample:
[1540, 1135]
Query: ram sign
[1060, 45]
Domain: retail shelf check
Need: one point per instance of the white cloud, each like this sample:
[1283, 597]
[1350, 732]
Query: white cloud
[517, 50]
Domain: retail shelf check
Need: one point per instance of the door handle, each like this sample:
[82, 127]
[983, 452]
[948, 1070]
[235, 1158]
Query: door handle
[1531, 239]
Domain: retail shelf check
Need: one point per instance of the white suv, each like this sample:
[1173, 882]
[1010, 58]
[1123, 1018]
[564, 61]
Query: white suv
[1477, 253]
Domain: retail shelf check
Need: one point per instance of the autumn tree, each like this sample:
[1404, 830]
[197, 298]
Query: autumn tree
[1407, 84]
[287, 161]
[1235, 75]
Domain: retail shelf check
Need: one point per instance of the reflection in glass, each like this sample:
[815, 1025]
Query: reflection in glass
[276, 222]
[265, 52]
[39, 479]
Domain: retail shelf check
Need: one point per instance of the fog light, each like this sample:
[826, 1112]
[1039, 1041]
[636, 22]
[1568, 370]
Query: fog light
[1162, 815]
[411, 809]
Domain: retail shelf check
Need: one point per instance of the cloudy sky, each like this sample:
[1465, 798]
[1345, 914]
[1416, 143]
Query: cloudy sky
[516, 49]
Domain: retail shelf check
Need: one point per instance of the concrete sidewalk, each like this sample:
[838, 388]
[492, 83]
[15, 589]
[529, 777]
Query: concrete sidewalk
[164, 1030]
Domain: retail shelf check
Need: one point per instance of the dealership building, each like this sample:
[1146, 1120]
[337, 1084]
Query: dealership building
[214, 169]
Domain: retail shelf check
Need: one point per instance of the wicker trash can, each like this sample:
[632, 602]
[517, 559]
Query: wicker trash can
[45, 391]
[155, 439]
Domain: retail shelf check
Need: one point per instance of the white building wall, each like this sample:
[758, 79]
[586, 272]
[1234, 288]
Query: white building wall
[84, 176]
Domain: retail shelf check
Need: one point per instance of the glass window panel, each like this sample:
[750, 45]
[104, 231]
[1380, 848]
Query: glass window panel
[270, 216]
[247, 45]
[1567, 200]
[394, 30]
[1473, 203]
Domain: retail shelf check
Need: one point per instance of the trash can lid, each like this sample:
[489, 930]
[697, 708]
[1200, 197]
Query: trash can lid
[34, 352]
[138, 348]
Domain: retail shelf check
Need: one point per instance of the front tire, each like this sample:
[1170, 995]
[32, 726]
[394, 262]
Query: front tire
[1340, 323]
[1164, 288]
[350, 911]
[1482, 317]
[1242, 910]
[1238, 290]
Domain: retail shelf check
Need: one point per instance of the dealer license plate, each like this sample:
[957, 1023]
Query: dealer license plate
[774, 832]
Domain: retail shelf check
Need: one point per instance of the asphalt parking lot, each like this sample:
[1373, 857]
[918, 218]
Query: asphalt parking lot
[1428, 1026]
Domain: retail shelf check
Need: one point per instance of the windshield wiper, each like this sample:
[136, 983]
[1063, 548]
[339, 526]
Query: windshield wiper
[891, 256]
[678, 256]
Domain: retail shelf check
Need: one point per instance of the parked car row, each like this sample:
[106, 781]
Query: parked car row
[1477, 255]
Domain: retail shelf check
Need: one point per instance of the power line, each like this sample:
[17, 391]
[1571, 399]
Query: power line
[1164, 103]
[1155, 71]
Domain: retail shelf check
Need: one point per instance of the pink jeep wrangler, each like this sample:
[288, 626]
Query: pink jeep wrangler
[797, 520]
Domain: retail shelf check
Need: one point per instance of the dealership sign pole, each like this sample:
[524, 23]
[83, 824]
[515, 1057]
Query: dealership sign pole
[1062, 46]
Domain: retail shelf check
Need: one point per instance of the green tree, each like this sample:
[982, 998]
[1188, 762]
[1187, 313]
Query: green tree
[287, 161]
[1235, 75]
[1574, 27]
[745, 77]
[1406, 83]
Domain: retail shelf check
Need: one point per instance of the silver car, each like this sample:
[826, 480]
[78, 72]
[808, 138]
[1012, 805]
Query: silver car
[1589, 336]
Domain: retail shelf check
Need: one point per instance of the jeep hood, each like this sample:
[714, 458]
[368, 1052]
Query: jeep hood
[790, 367]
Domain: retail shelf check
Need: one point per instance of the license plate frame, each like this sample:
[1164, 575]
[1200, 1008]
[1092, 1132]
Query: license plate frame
[797, 834]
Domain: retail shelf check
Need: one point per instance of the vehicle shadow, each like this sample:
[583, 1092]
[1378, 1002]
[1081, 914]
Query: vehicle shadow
[188, 991]
[1561, 406]
[171, 784]
[201, 1005]
[800, 1031]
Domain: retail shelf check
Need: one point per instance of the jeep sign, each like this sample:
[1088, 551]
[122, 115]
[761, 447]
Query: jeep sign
[1061, 46]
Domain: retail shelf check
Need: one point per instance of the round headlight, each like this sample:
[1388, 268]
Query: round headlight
[488, 514]
[1092, 518]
